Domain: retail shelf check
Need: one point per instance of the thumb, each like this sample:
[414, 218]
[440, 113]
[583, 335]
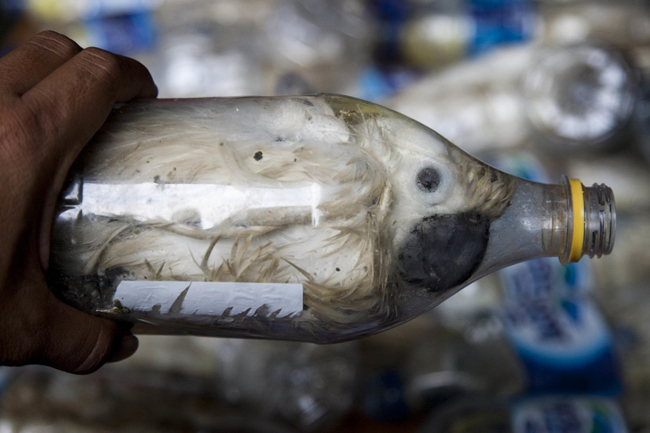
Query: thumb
[79, 343]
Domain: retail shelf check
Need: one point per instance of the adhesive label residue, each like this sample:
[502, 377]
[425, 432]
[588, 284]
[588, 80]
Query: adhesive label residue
[211, 298]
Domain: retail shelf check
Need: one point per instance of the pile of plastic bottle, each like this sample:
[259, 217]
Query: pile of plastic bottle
[537, 89]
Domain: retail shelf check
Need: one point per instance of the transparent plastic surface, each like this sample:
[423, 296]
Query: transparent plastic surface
[470, 107]
[317, 218]
[309, 386]
[580, 97]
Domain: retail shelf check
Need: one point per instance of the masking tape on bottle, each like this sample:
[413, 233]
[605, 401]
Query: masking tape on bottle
[578, 204]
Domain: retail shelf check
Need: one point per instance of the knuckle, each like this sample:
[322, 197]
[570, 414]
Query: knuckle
[56, 43]
[100, 68]
[102, 61]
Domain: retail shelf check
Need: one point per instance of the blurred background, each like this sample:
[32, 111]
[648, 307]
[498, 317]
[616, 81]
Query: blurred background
[536, 88]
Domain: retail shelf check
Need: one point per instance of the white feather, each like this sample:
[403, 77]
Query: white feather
[359, 163]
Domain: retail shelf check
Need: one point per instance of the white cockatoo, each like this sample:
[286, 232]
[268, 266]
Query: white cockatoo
[350, 200]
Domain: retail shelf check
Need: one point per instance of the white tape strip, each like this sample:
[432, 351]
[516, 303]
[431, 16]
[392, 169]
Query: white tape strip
[212, 203]
[210, 298]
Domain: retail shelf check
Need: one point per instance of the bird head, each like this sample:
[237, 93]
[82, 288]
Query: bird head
[443, 203]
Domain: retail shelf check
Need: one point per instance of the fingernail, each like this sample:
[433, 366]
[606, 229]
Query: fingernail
[126, 347]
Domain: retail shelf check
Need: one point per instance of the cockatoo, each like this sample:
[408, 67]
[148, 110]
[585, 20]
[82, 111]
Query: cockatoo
[357, 204]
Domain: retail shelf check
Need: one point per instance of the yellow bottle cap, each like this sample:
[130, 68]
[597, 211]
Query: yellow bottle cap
[578, 205]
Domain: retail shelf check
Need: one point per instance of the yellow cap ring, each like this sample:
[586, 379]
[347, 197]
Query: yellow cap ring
[578, 204]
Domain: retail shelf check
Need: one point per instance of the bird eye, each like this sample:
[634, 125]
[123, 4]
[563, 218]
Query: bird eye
[428, 179]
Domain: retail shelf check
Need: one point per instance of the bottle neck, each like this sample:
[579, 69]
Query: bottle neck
[565, 220]
[593, 209]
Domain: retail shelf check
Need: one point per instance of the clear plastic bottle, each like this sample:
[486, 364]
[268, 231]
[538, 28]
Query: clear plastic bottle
[316, 218]
[480, 110]
[580, 98]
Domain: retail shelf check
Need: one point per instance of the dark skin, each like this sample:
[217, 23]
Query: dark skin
[54, 96]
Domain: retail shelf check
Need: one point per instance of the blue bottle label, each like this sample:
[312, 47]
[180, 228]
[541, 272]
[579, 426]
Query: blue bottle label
[562, 333]
[123, 33]
[498, 22]
[567, 415]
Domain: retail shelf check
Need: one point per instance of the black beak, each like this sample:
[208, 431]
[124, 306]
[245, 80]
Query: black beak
[443, 251]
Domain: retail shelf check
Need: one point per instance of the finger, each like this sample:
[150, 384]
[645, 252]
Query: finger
[71, 104]
[37, 328]
[80, 343]
[31, 62]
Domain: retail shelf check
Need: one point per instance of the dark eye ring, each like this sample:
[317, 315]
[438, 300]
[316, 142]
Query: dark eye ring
[428, 179]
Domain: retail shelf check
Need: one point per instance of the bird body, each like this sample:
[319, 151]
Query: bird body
[322, 191]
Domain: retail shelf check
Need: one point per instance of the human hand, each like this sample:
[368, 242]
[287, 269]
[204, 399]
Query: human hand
[53, 97]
